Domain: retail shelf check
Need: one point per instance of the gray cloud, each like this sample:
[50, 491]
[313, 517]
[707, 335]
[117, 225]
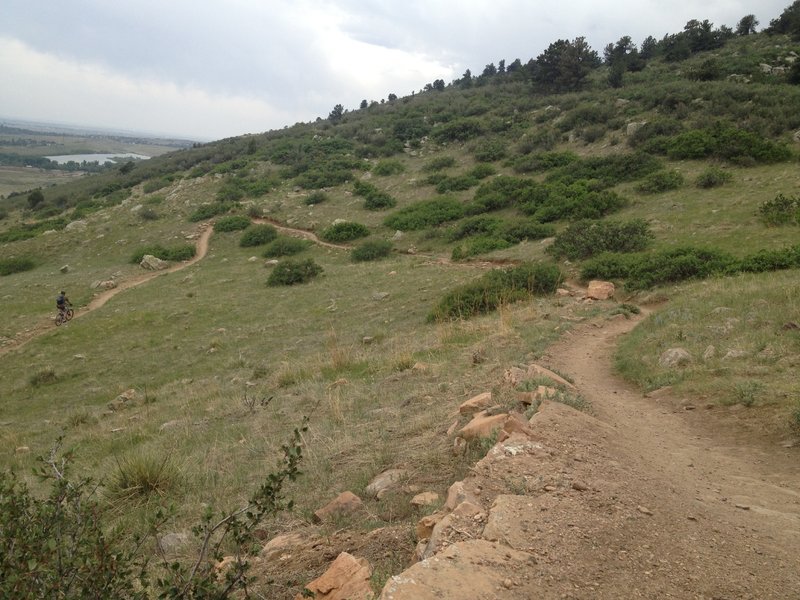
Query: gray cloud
[293, 59]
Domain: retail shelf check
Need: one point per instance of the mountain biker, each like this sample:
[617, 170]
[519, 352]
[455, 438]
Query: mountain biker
[62, 301]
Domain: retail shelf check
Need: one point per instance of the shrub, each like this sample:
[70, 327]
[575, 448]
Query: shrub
[232, 223]
[495, 288]
[439, 163]
[385, 168]
[206, 211]
[458, 130]
[608, 170]
[525, 229]
[481, 171]
[660, 181]
[285, 246]
[291, 272]
[344, 232]
[583, 239]
[426, 213]
[781, 210]
[480, 245]
[153, 185]
[771, 260]
[456, 183]
[173, 253]
[147, 214]
[712, 177]
[371, 250]
[543, 161]
[478, 225]
[668, 266]
[258, 235]
[315, 198]
[26, 231]
[44, 376]
[17, 264]
[490, 149]
[375, 199]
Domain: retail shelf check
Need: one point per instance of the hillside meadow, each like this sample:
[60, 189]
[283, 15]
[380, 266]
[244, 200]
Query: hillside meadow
[193, 380]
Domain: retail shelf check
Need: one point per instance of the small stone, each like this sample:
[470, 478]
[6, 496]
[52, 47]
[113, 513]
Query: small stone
[64, 269]
[508, 584]
[579, 486]
[21, 450]
[425, 499]
[550, 488]
[644, 510]
[742, 506]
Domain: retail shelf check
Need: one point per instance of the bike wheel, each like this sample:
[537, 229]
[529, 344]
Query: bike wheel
[69, 314]
[59, 319]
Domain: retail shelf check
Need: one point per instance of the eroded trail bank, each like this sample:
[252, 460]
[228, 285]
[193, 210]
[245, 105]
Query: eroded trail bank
[638, 501]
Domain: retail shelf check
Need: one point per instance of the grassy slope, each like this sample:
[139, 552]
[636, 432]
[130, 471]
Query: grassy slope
[200, 341]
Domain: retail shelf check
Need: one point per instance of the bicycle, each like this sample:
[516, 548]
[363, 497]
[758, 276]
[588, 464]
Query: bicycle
[64, 314]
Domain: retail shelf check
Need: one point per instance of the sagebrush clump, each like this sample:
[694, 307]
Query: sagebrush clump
[292, 272]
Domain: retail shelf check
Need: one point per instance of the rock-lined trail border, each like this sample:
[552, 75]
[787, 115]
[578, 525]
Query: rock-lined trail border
[641, 499]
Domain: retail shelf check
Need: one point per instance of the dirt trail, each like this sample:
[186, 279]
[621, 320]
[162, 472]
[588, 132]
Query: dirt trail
[645, 499]
[100, 299]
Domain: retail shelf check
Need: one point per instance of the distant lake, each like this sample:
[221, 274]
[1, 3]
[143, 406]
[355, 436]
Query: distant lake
[99, 158]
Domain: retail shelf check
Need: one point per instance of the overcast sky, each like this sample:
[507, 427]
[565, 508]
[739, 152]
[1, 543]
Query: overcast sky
[208, 69]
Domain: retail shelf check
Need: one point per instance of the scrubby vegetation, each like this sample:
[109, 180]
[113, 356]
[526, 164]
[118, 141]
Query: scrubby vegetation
[781, 210]
[232, 223]
[9, 266]
[587, 238]
[496, 288]
[292, 272]
[371, 250]
[345, 231]
[172, 253]
[285, 246]
[258, 235]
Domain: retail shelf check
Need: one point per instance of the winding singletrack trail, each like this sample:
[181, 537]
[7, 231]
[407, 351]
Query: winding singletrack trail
[100, 299]
[642, 499]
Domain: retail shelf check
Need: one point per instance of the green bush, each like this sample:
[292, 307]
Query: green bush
[18, 264]
[153, 185]
[781, 210]
[426, 213]
[371, 250]
[458, 130]
[479, 245]
[543, 161]
[344, 232]
[31, 230]
[439, 163]
[712, 177]
[482, 171]
[177, 253]
[148, 214]
[232, 223]
[471, 226]
[456, 183]
[490, 149]
[385, 168]
[258, 235]
[771, 260]
[285, 246]
[525, 229]
[660, 181]
[291, 272]
[206, 211]
[608, 170]
[315, 198]
[586, 238]
[495, 288]
[374, 199]
[643, 271]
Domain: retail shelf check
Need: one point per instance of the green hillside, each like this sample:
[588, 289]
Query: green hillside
[669, 168]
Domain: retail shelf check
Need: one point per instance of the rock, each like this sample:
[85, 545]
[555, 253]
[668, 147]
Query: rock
[378, 296]
[169, 425]
[252, 259]
[64, 269]
[710, 352]
[633, 127]
[458, 494]
[281, 546]
[124, 399]
[563, 292]
[660, 392]
[535, 370]
[600, 290]
[459, 446]
[542, 393]
[791, 325]
[345, 503]
[75, 225]
[734, 353]
[482, 426]
[476, 404]
[398, 235]
[426, 524]
[108, 284]
[515, 376]
[346, 579]
[367, 340]
[425, 499]
[579, 486]
[644, 510]
[385, 481]
[675, 357]
[21, 450]
[271, 262]
[152, 263]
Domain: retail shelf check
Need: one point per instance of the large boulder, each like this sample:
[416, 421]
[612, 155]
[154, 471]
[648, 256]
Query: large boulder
[385, 481]
[482, 425]
[476, 404]
[344, 504]
[153, 263]
[600, 290]
[675, 357]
